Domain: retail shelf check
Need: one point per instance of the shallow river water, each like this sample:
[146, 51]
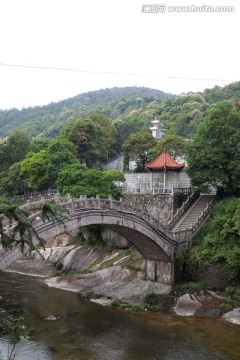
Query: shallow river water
[87, 331]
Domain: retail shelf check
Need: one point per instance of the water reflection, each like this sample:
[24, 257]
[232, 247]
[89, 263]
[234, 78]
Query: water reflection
[88, 331]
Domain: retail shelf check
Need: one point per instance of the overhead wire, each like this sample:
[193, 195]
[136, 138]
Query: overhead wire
[111, 72]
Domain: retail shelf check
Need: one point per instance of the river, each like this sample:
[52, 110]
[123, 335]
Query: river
[88, 331]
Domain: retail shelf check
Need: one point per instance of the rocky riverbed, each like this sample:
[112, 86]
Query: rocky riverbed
[113, 275]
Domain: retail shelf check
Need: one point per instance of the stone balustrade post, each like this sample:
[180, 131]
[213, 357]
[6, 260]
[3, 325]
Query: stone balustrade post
[98, 201]
[72, 205]
[120, 203]
[28, 204]
[110, 201]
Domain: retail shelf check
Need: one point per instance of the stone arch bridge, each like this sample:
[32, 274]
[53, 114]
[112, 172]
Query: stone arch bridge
[159, 248]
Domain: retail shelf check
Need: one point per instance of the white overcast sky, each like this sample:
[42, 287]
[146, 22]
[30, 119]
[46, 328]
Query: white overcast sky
[112, 43]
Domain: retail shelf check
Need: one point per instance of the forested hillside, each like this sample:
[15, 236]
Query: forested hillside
[130, 109]
[48, 120]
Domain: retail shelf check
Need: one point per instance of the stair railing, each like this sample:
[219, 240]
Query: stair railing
[188, 233]
[180, 211]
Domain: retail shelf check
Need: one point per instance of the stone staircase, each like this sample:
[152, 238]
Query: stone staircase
[195, 215]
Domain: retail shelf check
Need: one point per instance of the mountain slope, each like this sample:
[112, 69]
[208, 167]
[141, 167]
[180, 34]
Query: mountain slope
[48, 120]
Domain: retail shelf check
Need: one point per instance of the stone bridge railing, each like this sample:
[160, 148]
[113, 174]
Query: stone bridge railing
[83, 202]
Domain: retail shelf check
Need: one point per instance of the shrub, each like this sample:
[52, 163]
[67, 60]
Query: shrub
[89, 294]
[218, 241]
[152, 299]
[118, 304]
[58, 265]
[225, 307]
[192, 287]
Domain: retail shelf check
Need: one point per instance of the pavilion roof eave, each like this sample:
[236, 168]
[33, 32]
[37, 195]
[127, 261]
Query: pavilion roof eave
[180, 168]
[164, 162]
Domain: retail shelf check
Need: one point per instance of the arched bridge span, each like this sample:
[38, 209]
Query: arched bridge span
[152, 243]
[157, 248]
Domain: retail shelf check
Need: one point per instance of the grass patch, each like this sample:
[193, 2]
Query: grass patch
[89, 294]
[118, 304]
[133, 267]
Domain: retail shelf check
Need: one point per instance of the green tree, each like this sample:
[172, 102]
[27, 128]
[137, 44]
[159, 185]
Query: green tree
[137, 147]
[93, 138]
[41, 169]
[60, 153]
[174, 144]
[213, 156]
[14, 149]
[77, 180]
[39, 143]
[13, 183]
[129, 125]
[34, 169]
[109, 130]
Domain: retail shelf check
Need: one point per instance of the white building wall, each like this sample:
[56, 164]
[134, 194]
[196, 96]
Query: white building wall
[143, 182]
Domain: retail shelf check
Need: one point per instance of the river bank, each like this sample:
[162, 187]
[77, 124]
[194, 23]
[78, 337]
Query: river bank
[64, 326]
[116, 275]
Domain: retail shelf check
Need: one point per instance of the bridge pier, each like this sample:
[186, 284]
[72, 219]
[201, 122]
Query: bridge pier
[163, 272]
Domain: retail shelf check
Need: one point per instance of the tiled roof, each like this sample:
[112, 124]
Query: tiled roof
[164, 161]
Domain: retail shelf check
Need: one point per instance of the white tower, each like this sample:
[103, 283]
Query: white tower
[156, 129]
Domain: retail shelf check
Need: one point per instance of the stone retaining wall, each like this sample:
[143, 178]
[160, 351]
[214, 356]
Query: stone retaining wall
[160, 207]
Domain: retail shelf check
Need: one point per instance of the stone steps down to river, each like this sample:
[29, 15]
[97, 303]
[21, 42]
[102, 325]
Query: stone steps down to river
[191, 216]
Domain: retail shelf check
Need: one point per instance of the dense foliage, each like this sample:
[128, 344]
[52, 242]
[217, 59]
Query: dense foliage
[219, 240]
[77, 180]
[174, 144]
[213, 155]
[48, 120]
[136, 147]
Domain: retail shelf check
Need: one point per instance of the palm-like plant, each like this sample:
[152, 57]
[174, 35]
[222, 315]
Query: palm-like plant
[16, 228]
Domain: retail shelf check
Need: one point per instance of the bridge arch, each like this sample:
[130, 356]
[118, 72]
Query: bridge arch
[158, 250]
[150, 242]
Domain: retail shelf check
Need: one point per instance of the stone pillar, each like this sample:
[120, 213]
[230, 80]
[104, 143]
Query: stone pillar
[165, 272]
[159, 271]
[150, 270]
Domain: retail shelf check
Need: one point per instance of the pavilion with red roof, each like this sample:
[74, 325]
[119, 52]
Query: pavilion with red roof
[163, 163]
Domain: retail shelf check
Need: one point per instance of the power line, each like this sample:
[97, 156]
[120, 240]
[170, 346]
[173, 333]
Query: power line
[110, 72]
